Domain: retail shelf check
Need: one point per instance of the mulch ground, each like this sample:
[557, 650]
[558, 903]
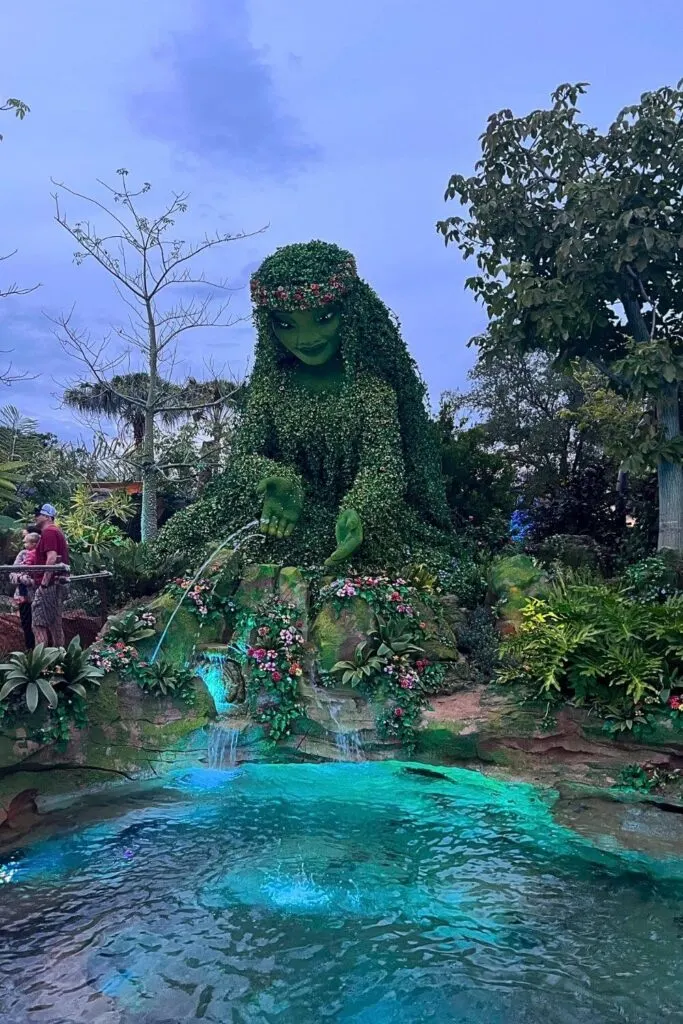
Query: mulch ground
[75, 624]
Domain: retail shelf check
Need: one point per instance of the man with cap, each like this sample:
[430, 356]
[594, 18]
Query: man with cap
[47, 604]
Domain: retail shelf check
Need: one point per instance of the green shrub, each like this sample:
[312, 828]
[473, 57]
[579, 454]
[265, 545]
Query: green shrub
[479, 640]
[572, 551]
[130, 627]
[650, 581]
[465, 579]
[48, 672]
[30, 674]
[163, 679]
[593, 645]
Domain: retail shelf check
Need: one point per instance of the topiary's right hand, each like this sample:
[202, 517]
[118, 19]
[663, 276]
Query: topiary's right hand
[282, 502]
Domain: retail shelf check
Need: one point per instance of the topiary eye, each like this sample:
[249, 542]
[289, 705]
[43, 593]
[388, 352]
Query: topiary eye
[281, 325]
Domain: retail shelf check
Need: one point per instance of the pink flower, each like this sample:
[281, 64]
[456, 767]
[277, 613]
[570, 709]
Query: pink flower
[276, 677]
[675, 703]
[395, 596]
[398, 712]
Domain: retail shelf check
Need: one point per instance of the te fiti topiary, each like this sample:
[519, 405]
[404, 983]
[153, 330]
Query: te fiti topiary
[335, 452]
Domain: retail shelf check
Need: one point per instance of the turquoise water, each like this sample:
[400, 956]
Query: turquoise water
[357, 893]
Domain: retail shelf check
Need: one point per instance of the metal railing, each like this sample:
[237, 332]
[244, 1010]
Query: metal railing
[61, 569]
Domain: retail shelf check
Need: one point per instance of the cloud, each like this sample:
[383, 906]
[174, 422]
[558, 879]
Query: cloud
[219, 102]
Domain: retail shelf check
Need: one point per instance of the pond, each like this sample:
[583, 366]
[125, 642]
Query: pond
[354, 893]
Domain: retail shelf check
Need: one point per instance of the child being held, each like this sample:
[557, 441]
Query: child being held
[25, 585]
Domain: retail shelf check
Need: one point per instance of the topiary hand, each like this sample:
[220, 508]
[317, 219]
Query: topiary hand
[282, 503]
[349, 534]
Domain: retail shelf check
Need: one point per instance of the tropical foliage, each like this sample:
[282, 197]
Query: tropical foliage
[47, 673]
[595, 646]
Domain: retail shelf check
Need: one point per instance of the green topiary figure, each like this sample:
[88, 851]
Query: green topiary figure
[336, 441]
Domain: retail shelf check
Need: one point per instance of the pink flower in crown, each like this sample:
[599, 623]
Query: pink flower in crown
[398, 712]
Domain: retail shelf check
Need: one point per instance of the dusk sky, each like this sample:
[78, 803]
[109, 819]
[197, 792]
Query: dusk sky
[333, 121]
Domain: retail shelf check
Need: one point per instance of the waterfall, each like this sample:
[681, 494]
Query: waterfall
[222, 746]
[348, 742]
[349, 745]
[211, 670]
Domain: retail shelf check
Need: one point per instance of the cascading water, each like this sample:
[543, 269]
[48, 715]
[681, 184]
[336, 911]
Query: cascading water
[211, 669]
[349, 743]
[222, 746]
[197, 575]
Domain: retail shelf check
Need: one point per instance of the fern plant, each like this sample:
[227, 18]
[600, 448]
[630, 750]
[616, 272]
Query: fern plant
[594, 645]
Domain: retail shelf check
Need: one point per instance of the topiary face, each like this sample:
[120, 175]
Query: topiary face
[311, 335]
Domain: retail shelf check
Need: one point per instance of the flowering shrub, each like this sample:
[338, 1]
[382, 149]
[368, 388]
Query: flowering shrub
[203, 596]
[384, 595]
[160, 679]
[275, 660]
[117, 657]
[650, 581]
[391, 667]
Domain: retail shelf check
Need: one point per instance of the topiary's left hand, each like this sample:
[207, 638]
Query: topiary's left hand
[349, 534]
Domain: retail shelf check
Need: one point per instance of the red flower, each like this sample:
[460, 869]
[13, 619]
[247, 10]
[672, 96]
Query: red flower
[395, 596]
[398, 712]
[675, 703]
[276, 677]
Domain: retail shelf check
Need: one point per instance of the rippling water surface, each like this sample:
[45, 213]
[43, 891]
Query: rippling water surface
[345, 893]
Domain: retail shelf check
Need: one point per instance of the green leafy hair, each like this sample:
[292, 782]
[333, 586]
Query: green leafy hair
[370, 343]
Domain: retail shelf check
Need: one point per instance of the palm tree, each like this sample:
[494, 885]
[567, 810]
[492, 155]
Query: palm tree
[108, 399]
[127, 400]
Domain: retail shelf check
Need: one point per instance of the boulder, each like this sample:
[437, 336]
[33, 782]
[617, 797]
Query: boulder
[336, 634]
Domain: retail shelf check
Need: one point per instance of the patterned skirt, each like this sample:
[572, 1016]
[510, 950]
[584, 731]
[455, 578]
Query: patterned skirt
[48, 604]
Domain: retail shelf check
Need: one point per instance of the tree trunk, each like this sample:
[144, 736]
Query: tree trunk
[148, 514]
[149, 519]
[670, 475]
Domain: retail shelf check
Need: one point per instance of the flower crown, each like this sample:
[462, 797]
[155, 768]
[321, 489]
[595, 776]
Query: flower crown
[304, 294]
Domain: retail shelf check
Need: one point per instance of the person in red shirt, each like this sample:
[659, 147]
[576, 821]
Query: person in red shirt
[52, 587]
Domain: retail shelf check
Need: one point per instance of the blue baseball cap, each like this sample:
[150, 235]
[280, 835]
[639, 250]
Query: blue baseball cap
[47, 510]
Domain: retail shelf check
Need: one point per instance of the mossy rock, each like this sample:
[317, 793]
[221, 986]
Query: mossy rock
[444, 744]
[258, 583]
[443, 644]
[336, 635]
[186, 631]
[512, 581]
[293, 589]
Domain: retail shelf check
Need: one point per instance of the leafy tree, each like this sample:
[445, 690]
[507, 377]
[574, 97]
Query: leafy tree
[479, 481]
[578, 240]
[19, 108]
[149, 268]
[527, 409]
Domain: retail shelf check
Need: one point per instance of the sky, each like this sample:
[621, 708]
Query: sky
[308, 120]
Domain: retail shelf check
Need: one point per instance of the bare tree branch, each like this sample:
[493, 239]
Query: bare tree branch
[144, 262]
